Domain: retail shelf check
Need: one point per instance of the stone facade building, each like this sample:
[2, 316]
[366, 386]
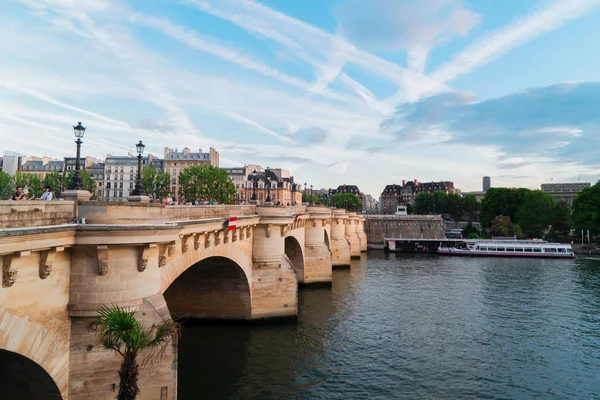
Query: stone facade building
[564, 191]
[120, 174]
[176, 161]
[276, 182]
[394, 195]
[42, 167]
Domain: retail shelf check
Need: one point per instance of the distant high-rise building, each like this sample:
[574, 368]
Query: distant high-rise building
[487, 183]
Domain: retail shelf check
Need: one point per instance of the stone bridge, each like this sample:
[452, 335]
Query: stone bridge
[163, 262]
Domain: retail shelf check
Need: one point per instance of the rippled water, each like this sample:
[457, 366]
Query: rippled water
[415, 327]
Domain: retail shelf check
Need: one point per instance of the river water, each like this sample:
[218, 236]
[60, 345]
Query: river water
[415, 327]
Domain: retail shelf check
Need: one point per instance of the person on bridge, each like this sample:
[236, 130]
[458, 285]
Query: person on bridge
[47, 195]
[19, 194]
[169, 200]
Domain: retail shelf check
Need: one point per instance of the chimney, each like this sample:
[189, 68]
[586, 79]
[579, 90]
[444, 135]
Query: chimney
[415, 182]
[403, 182]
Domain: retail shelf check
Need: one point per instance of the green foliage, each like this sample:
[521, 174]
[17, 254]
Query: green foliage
[503, 226]
[532, 210]
[347, 201]
[30, 182]
[314, 199]
[439, 202]
[561, 218]
[206, 183]
[120, 331]
[88, 183]
[56, 181]
[500, 201]
[155, 183]
[470, 229]
[7, 187]
[472, 235]
[586, 209]
[535, 212]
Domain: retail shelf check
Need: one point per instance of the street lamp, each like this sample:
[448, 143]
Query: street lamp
[77, 182]
[268, 183]
[138, 184]
[253, 186]
[311, 195]
[305, 192]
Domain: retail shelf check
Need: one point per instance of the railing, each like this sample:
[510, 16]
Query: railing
[33, 213]
[405, 217]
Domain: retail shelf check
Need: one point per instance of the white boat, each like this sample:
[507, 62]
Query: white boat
[510, 248]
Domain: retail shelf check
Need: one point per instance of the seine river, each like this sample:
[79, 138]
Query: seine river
[415, 327]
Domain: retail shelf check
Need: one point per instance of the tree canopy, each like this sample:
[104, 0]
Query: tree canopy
[348, 201]
[586, 209]
[155, 183]
[206, 183]
[7, 186]
[438, 202]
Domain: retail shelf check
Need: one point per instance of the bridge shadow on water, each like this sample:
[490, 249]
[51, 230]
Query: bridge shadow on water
[264, 360]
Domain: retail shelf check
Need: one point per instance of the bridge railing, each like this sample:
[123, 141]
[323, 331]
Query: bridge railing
[111, 213]
[192, 213]
[32, 213]
[404, 217]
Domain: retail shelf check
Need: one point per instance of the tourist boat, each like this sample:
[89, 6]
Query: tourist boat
[514, 248]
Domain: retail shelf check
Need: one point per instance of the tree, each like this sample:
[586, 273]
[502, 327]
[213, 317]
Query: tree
[31, 182]
[120, 331]
[7, 186]
[500, 201]
[313, 198]
[348, 201]
[586, 209]
[503, 226]
[155, 183]
[470, 230]
[56, 180]
[561, 218]
[206, 182]
[35, 185]
[88, 183]
[21, 179]
[534, 214]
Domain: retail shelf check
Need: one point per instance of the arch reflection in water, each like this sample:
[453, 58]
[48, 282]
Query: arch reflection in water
[23, 379]
[214, 288]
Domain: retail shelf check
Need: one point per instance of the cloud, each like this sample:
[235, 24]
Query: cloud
[312, 135]
[414, 26]
[151, 124]
[558, 122]
[522, 31]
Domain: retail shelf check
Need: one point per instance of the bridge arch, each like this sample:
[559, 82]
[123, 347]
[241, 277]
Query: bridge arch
[212, 288]
[293, 250]
[23, 379]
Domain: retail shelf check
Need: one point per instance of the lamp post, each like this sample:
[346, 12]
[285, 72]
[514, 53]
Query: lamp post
[253, 186]
[268, 183]
[77, 182]
[305, 192]
[138, 183]
[311, 195]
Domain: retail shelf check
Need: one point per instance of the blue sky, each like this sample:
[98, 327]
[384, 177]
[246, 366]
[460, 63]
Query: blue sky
[365, 92]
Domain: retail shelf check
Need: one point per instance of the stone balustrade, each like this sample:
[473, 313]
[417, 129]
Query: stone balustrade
[32, 213]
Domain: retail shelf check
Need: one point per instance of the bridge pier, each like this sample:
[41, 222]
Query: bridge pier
[274, 284]
[106, 273]
[360, 232]
[340, 247]
[353, 239]
[317, 257]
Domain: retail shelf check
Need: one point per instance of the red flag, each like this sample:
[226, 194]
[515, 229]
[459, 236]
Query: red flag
[232, 223]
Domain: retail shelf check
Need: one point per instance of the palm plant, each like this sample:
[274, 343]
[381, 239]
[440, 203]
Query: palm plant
[120, 331]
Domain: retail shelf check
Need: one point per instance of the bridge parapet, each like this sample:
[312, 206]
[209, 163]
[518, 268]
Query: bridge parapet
[110, 213]
[25, 214]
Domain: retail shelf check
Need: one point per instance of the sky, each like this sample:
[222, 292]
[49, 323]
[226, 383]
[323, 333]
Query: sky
[363, 92]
